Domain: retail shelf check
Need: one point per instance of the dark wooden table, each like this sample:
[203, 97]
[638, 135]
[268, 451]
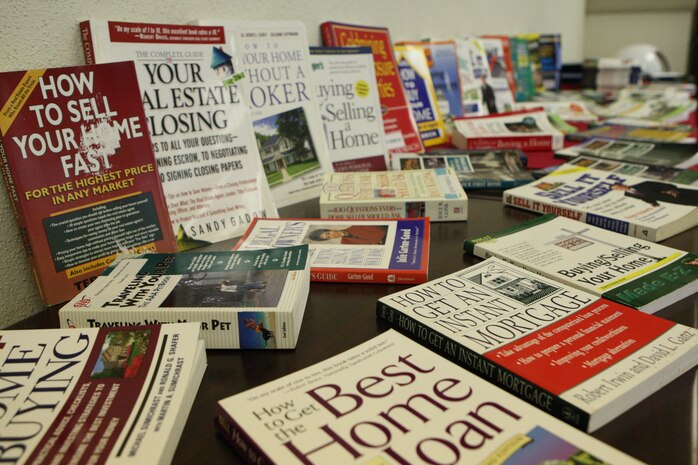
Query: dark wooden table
[661, 430]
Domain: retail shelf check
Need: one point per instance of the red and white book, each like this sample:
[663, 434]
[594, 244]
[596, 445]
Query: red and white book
[522, 130]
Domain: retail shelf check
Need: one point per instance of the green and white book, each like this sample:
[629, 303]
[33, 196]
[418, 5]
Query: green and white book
[627, 270]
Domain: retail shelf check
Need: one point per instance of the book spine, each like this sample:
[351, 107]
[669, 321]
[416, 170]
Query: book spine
[534, 143]
[328, 38]
[19, 216]
[474, 362]
[88, 46]
[330, 275]
[245, 446]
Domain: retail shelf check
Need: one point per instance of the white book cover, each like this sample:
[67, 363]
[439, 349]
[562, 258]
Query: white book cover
[350, 108]
[277, 80]
[499, 80]
[199, 122]
[574, 110]
[649, 209]
[579, 357]
[435, 193]
[99, 396]
[474, 73]
[628, 270]
[249, 300]
[392, 401]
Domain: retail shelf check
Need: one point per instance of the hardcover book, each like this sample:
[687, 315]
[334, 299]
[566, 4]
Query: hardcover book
[347, 94]
[667, 154]
[401, 133]
[476, 169]
[435, 193]
[632, 205]
[392, 401]
[248, 300]
[205, 149]
[99, 396]
[351, 251]
[522, 130]
[275, 61]
[80, 172]
[419, 89]
[581, 358]
[630, 271]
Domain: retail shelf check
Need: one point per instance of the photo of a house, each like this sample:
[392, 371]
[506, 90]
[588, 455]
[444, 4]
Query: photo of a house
[285, 146]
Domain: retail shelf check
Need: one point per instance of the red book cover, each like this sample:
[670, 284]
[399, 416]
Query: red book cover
[80, 172]
[400, 128]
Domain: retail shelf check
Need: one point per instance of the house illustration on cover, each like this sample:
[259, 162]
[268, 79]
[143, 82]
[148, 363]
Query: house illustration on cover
[519, 288]
[277, 154]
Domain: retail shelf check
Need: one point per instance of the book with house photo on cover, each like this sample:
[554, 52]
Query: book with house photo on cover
[98, 395]
[628, 270]
[199, 122]
[243, 300]
[277, 81]
[80, 173]
[391, 401]
[577, 356]
[353, 251]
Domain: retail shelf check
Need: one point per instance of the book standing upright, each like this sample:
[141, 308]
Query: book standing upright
[347, 94]
[200, 125]
[80, 172]
[275, 61]
[401, 134]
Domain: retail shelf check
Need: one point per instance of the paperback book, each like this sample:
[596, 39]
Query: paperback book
[419, 89]
[435, 193]
[550, 55]
[274, 59]
[524, 88]
[200, 125]
[581, 358]
[392, 401]
[569, 110]
[668, 154]
[401, 134]
[523, 130]
[99, 396]
[662, 173]
[631, 271]
[248, 300]
[80, 173]
[627, 204]
[501, 81]
[474, 74]
[394, 251]
[350, 109]
[476, 169]
[668, 133]
[442, 59]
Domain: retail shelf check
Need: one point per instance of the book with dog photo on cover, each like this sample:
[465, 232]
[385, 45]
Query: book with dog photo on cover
[353, 251]
[251, 299]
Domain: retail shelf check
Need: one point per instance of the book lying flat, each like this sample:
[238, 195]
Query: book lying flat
[352, 251]
[579, 357]
[628, 270]
[435, 193]
[649, 209]
[392, 401]
[249, 300]
[476, 169]
[108, 395]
